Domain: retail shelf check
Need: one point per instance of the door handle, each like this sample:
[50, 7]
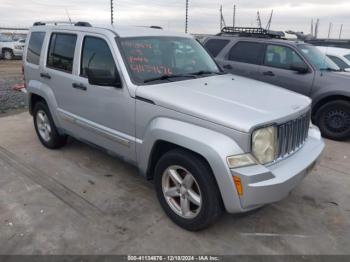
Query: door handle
[268, 73]
[79, 86]
[45, 75]
[228, 66]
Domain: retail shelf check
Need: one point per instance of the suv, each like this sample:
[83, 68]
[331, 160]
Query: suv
[210, 141]
[293, 65]
[10, 49]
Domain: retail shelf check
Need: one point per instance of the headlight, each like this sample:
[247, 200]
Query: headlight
[264, 144]
[18, 47]
[241, 160]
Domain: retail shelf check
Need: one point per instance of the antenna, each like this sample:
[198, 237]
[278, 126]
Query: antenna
[330, 29]
[112, 22]
[259, 20]
[341, 31]
[270, 21]
[234, 16]
[186, 20]
[70, 20]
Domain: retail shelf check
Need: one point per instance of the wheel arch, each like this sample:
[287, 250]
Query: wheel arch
[165, 134]
[324, 100]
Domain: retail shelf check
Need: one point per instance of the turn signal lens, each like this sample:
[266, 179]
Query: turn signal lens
[238, 185]
[240, 160]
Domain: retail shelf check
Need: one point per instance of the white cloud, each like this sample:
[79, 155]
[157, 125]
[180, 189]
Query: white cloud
[204, 14]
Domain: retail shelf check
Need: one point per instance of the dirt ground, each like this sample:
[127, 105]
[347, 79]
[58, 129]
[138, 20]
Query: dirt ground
[10, 75]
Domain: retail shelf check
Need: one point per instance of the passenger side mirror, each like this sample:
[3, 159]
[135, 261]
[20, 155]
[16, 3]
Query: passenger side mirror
[102, 77]
[300, 68]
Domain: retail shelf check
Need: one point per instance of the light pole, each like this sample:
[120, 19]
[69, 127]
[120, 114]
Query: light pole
[186, 20]
[112, 12]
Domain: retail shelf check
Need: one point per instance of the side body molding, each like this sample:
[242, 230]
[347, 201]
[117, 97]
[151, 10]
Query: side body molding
[213, 146]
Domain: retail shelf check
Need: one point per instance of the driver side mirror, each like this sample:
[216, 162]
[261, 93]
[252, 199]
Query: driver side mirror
[300, 68]
[101, 77]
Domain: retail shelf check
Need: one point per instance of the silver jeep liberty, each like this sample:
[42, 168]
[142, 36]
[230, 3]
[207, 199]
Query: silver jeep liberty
[210, 141]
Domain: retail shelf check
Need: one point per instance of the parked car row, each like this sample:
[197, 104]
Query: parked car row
[211, 141]
[10, 49]
[295, 66]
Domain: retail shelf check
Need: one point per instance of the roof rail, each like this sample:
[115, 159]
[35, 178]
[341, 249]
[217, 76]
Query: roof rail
[252, 32]
[40, 23]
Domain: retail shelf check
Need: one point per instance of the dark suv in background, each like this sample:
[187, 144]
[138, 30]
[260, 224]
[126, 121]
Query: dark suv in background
[293, 65]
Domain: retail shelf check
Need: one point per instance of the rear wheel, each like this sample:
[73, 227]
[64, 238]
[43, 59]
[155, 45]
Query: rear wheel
[333, 119]
[187, 190]
[45, 127]
[7, 54]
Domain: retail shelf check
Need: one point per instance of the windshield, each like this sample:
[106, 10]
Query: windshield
[317, 58]
[159, 59]
[347, 57]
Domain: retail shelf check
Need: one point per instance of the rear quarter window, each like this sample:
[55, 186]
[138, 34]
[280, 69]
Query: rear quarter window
[214, 46]
[34, 47]
[247, 52]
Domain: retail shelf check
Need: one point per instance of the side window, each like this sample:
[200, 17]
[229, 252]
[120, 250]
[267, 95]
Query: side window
[97, 56]
[61, 52]
[214, 46]
[34, 47]
[247, 52]
[282, 57]
[340, 63]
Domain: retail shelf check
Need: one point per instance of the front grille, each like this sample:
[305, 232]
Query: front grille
[292, 135]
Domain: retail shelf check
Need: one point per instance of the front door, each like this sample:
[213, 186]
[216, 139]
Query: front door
[278, 69]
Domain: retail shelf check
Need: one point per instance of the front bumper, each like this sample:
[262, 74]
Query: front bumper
[268, 184]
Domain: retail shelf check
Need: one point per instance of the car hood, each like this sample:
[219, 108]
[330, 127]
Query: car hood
[229, 100]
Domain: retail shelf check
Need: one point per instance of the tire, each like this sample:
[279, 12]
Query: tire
[44, 125]
[333, 119]
[204, 185]
[7, 54]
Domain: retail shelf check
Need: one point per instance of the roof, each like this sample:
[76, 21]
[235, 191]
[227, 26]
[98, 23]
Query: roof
[258, 39]
[334, 50]
[121, 31]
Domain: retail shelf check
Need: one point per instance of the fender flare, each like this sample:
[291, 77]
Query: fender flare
[213, 146]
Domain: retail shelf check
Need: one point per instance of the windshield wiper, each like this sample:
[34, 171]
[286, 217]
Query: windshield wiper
[166, 77]
[203, 72]
[330, 69]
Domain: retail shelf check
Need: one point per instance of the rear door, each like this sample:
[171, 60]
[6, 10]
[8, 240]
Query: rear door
[244, 58]
[277, 69]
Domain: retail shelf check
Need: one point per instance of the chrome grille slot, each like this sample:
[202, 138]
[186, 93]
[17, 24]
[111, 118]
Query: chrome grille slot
[292, 135]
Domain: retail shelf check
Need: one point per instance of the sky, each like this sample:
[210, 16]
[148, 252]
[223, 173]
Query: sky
[170, 14]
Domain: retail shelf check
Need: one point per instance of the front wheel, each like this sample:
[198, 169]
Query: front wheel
[187, 190]
[333, 119]
[8, 54]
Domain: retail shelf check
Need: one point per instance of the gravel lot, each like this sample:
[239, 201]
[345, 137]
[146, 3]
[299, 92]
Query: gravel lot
[10, 75]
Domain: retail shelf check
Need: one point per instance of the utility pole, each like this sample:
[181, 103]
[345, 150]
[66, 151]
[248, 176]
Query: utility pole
[186, 19]
[341, 31]
[222, 19]
[268, 26]
[234, 16]
[312, 27]
[316, 27]
[259, 20]
[330, 29]
[112, 22]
